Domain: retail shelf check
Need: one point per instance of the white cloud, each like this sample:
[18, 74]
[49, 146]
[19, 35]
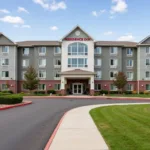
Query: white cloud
[119, 6]
[98, 13]
[25, 26]
[5, 11]
[53, 28]
[21, 9]
[127, 37]
[108, 33]
[52, 6]
[12, 20]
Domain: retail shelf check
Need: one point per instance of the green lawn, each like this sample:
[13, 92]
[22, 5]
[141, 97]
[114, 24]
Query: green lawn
[124, 127]
[131, 95]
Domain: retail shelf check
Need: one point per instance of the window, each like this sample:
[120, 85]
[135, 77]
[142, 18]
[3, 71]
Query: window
[25, 63]
[147, 74]
[130, 75]
[97, 87]
[5, 49]
[57, 87]
[98, 62]
[147, 50]
[113, 87]
[42, 62]
[5, 62]
[147, 62]
[57, 62]
[42, 50]
[78, 49]
[5, 87]
[42, 87]
[129, 63]
[57, 74]
[148, 87]
[129, 52]
[113, 50]
[98, 75]
[129, 87]
[26, 51]
[5, 74]
[98, 50]
[42, 74]
[113, 73]
[57, 50]
[23, 75]
[77, 62]
[113, 63]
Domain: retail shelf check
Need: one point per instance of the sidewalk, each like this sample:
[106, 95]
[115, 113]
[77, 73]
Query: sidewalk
[77, 131]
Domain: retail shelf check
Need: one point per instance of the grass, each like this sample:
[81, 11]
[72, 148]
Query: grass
[131, 95]
[124, 127]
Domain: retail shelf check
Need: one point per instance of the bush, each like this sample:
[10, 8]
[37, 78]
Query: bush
[103, 92]
[128, 92]
[1, 93]
[146, 92]
[114, 92]
[51, 92]
[141, 92]
[96, 94]
[134, 92]
[11, 99]
[39, 92]
[9, 91]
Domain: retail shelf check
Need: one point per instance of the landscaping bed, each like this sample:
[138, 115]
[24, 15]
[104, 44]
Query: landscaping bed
[124, 127]
[10, 99]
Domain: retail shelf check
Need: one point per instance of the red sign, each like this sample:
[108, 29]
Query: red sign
[78, 39]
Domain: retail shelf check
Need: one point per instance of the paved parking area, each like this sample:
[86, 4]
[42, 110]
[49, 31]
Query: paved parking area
[30, 127]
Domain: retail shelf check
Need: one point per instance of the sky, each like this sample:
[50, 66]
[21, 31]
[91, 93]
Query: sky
[125, 20]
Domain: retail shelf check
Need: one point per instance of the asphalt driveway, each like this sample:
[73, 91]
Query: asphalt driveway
[30, 127]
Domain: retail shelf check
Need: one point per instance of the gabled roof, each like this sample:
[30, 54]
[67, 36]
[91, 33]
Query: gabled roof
[144, 40]
[75, 29]
[12, 42]
[116, 43]
[38, 43]
[77, 72]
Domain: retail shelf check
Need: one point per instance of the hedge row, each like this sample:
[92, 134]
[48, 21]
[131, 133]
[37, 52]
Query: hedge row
[44, 92]
[11, 99]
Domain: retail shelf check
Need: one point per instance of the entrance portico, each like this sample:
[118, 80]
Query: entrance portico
[77, 82]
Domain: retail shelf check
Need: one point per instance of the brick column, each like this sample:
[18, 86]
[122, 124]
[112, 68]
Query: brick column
[92, 92]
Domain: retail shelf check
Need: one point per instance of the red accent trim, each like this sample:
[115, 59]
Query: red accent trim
[16, 105]
[54, 133]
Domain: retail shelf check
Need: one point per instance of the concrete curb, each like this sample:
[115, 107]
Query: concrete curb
[17, 105]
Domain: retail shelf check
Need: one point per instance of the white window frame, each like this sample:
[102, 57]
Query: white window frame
[132, 75]
[4, 72]
[23, 73]
[55, 50]
[4, 48]
[114, 88]
[57, 86]
[24, 49]
[77, 65]
[130, 87]
[98, 75]
[115, 63]
[56, 72]
[114, 72]
[43, 60]
[147, 64]
[42, 89]
[41, 49]
[127, 65]
[3, 60]
[130, 50]
[146, 87]
[96, 87]
[97, 62]
[44, 71]
[25, 63]
[115, 49]
[6, 89]
[56, 64]
[147, 78]
[98, 52]
[147, 48]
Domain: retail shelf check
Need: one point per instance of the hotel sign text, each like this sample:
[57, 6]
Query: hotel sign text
[78, 39]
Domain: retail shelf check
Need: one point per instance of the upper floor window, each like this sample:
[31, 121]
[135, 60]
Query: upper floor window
[129, 63]
[42, 74]
[42, 62]
[147, 74]
[5, 74]
[42, 51]
[56, 74]
[112, 74]
[147, 62]
[57, 63]
[98, 50]
[25, 62]
[129, 51]
[5, 49]
[98, 62]
[113, 50]
[78, 49]
[129, 75]
[57, 50]
[98, 75]
[147, 50]
[113, 63]
[26, 51]
[77, 62]
[5, 62]
[23, 75]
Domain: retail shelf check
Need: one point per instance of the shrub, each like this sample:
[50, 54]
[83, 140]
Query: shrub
[146, 92]
[51, 92]
[113, 92]
[103, 92]
[39, 92]
[134, 92]
[1, 93]
[96, 94]
[11, 99]
[141, 92]
[9, 91]
[128, 92]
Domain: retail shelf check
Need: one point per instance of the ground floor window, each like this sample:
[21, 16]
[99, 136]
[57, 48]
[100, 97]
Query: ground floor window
[5, 87]
[57, 87]
[148, 87]
[42, 87]
[97, 87]
[113, 87]
[129, 87]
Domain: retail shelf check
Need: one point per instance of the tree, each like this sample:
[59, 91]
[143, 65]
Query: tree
[31, 79]
[120, 81]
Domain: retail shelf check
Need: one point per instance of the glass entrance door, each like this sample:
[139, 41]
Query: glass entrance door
[77, 88]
